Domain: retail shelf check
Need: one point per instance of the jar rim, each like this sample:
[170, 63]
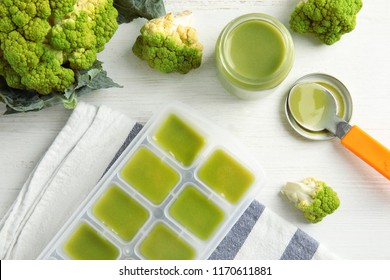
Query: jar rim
[268, 81]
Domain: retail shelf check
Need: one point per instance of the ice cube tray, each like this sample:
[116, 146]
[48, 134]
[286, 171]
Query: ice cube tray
[174, 193]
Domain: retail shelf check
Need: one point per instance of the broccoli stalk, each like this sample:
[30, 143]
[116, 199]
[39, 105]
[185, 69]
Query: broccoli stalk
[169, 44]
[313, 197]
[326, 19]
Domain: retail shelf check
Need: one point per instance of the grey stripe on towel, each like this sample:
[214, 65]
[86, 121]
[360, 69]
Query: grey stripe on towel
[233, 241]
[301, 246]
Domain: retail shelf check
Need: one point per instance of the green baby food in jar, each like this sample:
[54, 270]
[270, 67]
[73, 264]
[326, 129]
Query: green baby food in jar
[254, 54]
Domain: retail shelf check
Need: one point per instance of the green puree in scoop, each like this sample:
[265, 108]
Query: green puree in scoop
[85, 243]
[255, 49]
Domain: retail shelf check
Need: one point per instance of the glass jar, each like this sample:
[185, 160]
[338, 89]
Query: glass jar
[254, 54]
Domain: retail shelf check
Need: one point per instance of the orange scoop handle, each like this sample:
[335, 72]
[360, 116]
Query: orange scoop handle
[368, 149]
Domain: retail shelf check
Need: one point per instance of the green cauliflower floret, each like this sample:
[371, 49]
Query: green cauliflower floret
[313, 197]
[43, 42]
[169, 44]
[326, 19]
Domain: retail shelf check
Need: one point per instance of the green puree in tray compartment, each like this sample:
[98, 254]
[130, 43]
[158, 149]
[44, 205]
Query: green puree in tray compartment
[197, 212]
[226, 176]
[150, 175]
[162, 243]
[86, 243]
[179, 139]
[124, 215]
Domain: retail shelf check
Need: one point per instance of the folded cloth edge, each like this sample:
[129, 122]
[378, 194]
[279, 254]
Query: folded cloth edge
[89, 128]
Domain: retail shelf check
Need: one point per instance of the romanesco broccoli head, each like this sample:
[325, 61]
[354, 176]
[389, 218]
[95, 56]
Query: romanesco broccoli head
[42, 42]
[169, 44]
[313, 197]
[327, 19]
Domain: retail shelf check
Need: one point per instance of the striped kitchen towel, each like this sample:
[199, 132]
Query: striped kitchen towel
[76, 160]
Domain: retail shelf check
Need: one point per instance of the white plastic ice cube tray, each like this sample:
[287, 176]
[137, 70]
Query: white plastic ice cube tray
[174, 193]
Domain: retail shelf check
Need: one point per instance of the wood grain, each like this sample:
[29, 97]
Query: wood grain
[360, 229]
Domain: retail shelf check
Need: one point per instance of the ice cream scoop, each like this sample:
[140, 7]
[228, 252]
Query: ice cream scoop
[314, 108]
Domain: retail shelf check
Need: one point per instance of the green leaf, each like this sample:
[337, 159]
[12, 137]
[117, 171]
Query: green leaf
[20, 100]
[17, 100]
[131, 9]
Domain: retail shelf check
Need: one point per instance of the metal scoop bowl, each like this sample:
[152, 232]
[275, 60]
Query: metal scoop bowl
[319, 113]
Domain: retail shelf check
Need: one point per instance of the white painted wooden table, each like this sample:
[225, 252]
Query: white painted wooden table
[360, 229]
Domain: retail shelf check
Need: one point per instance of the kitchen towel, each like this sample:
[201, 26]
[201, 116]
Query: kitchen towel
[77, 159]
